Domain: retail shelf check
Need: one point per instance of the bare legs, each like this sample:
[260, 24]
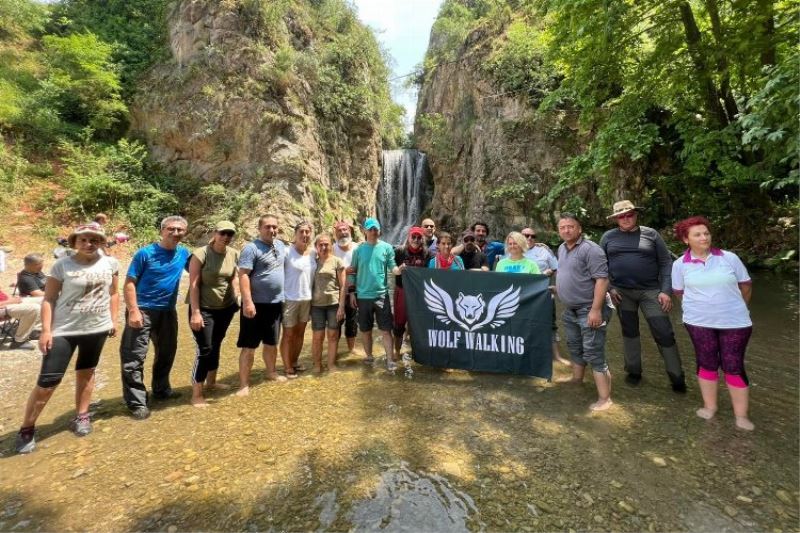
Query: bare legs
[246, 357]
[291, 344]
[602, 381]
[388, 345]
[317, 341]
[84, 387]
[740, 398]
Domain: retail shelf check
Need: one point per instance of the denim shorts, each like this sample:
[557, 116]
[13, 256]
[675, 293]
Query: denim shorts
[324, 317]
[587, 346]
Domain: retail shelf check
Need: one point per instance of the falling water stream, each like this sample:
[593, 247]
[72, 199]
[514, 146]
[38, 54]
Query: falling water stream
[401, 192]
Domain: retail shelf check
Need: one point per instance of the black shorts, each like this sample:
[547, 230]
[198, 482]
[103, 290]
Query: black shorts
[56, 362]
[370, 310]
[264, 327]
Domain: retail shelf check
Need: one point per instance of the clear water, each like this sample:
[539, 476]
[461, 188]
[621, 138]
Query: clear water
[417, 450]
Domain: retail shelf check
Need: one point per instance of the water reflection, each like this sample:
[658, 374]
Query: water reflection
[408, 501]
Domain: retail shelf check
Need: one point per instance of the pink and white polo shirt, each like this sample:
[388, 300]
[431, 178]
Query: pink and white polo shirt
[710, 289]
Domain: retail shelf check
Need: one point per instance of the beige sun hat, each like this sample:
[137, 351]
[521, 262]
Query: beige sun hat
[622, 207]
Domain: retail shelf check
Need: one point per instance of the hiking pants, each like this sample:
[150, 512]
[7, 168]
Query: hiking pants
[660, 328]
[162, 328]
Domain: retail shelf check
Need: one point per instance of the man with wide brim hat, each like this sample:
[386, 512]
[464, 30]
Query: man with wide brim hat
[640, 273]
[623, 207]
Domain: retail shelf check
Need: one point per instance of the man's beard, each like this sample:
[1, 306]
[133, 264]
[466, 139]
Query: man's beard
[344, 242]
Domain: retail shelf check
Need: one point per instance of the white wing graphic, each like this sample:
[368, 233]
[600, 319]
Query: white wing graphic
[441, 304]
[504, 305]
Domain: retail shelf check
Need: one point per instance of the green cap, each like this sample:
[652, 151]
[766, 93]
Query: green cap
[225, 225]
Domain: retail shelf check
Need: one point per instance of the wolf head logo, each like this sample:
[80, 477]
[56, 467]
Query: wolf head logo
[470, 307]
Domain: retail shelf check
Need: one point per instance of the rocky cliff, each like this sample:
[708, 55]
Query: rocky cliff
[235, 104]
[492, 156]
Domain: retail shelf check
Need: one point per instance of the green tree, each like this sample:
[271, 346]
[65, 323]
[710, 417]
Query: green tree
[83, 84]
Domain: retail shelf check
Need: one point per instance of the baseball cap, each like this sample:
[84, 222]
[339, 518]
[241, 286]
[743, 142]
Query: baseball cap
[416, 230]
[225, 225]
[372, 223]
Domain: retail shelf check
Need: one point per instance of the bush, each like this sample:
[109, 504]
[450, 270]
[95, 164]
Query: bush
[84, 85]
[116, 179]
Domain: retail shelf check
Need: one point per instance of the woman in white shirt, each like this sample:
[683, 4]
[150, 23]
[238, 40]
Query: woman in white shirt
[298, 277]
[79, 309]
[715, 288]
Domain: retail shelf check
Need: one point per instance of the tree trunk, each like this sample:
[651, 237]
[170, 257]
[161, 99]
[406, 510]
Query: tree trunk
[723, 70]
[694, 43]
[767, 13]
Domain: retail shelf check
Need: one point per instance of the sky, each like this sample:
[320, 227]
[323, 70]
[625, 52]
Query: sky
[403, 27]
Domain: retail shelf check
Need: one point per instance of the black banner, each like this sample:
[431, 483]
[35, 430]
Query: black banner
[485, 321]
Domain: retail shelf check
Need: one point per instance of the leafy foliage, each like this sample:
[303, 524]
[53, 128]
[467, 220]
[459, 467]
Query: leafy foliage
[83, 85]
[136, 30]
[692, 98]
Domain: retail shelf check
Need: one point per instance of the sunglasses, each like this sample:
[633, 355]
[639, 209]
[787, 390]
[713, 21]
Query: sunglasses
[428, 225]
[629, 214]
[529, 235]
[469, 239]
[227, 233]
[416, 237]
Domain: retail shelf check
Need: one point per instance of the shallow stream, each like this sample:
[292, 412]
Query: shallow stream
[426, 450]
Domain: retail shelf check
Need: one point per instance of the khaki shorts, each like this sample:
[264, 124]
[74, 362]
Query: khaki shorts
[296, 312]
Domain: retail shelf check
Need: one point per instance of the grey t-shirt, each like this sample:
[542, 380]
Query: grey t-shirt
[577, 271]
[84, 304]
[265, 263]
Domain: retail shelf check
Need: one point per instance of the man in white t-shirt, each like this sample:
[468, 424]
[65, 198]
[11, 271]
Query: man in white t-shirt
[343, 249]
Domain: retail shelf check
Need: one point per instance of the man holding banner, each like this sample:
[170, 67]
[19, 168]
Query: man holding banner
[581, 285]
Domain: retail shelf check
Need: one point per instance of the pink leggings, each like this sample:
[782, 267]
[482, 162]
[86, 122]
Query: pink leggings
[721, 347]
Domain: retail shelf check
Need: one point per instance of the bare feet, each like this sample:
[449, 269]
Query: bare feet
[705, 413]
[601, 405]
[243, 391]
[218, 386]
[199, 402]
[333, 368]
[742, 422]
[276, 377]
[318, 369]
[570, 381]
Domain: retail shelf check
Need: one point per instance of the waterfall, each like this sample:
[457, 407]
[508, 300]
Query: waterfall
[401, 192]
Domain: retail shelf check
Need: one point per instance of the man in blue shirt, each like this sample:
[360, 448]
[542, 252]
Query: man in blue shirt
[261, 283]
[151, 291]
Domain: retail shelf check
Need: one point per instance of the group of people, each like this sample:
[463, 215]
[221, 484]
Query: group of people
[332, 281]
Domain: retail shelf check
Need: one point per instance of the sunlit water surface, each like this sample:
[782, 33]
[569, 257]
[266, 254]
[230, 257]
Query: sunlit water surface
[417, 450]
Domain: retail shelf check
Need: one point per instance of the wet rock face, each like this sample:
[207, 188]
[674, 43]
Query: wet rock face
[222, 109]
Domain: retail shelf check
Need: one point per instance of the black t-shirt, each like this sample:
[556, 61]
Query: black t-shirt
[405, 256]
[28, 282]
[474, 260]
